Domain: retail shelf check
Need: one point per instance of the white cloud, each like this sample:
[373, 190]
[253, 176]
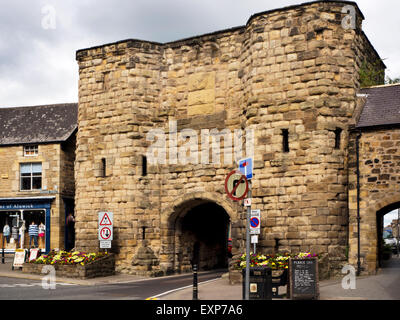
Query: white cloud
[38, 65]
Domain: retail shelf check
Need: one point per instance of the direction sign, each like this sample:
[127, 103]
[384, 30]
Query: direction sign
[236, 185]
[246, 167]
[105, 226]
[255, 219]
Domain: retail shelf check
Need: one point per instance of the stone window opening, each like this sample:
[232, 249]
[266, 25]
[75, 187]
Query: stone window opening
[338, 133]
[144, 166]
[285, 140]
[103, 167]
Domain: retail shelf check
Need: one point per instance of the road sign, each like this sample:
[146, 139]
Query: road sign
[255, 218]
[247, 202]
[254, 238]
[105, 233]
[236, 185]
[104, 218]
[105, 244]
[246, 167]
[105, 226]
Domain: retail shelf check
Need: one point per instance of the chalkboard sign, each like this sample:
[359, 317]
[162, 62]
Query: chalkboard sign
[19, 258]
[304, 278]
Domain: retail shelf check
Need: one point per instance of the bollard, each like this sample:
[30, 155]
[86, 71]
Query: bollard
[195, 287]
[2, 253]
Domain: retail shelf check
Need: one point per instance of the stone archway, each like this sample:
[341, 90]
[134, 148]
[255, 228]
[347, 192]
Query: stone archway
[187, 224]
[370, 225]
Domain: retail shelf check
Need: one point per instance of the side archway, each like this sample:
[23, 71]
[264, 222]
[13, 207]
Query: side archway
[371, 227]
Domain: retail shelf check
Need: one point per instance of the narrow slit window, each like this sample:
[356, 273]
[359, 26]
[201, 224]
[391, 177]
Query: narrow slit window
[285, 140]
[338, 133]
[144, 166]
[103, 167]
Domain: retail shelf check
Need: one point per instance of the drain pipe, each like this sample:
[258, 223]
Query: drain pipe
[358, 202]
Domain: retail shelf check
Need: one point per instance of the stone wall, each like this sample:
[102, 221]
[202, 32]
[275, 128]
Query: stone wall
[379, 188]
[294, 68]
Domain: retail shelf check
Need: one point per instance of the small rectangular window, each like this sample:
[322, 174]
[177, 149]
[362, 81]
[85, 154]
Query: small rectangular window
[285, 140]
[144, 166]
[31, 151]
[31, 176]
[338, 132]
[103, 167]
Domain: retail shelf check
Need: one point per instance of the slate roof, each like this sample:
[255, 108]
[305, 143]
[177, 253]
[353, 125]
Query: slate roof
[38, 124]
[382, 106]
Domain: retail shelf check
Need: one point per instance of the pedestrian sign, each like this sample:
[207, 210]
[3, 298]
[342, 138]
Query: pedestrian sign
[246, 167]
[105, 220]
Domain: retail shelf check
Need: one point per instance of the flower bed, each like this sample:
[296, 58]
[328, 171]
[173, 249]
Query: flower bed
[279, 261]
[69, 258]
[75, 264]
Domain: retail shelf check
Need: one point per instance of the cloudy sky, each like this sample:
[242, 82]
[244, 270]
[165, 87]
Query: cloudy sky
[39, 38]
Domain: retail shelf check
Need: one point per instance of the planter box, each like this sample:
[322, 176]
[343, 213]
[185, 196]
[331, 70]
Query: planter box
[100, 268]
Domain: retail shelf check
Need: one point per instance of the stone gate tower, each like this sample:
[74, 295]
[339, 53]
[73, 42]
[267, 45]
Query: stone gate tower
[291, 74]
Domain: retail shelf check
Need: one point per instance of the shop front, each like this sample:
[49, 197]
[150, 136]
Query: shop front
[18, 214]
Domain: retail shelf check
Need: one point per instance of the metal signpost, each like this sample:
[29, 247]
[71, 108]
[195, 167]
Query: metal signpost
[238, 186]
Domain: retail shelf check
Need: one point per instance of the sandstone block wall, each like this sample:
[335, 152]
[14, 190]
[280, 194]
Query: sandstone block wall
[294, 68]
[379, 181]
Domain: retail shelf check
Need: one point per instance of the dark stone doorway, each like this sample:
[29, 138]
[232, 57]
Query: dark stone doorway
[204, 236]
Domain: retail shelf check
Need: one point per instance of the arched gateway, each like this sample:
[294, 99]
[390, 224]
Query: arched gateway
[195, 229]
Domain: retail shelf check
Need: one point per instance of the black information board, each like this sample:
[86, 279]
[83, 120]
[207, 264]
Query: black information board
[304, 278]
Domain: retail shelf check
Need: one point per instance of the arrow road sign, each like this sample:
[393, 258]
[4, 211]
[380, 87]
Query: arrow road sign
[236, 185]
[105, 233]
[246, 167]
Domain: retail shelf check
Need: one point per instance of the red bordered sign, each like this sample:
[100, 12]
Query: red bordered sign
[236, 185]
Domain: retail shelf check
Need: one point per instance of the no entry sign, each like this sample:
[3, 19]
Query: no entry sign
[236, 185]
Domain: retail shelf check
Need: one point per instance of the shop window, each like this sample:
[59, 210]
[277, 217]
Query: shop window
[31, 176]
[31, 151]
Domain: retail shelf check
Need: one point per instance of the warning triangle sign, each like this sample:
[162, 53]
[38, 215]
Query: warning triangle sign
[105, 221]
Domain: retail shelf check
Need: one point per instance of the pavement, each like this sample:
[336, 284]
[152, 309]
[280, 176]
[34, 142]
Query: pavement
[385, 285]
